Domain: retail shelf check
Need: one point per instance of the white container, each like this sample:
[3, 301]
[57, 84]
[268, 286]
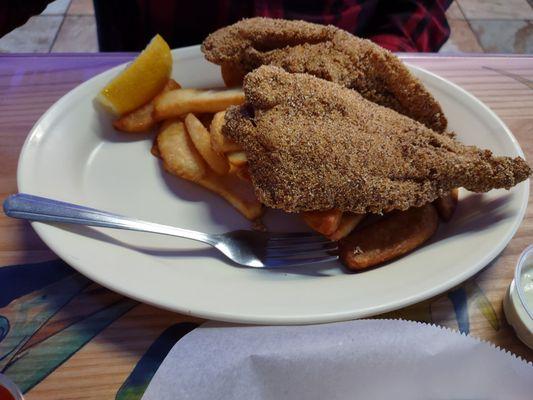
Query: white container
[518, 301]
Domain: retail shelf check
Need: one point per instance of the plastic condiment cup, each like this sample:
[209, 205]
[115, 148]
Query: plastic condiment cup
[518, 301]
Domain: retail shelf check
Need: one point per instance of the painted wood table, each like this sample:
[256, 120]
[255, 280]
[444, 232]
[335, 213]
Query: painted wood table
[65, 337]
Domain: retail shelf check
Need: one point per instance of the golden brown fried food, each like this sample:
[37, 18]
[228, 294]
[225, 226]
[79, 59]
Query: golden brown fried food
[389, 238]
[176, 103]
[324, 222]
[242, 173]
[155, 149]
[232, 74]
[178, 153]
[349, 222]
[201, 138]
[315, 145]
[141, 119]
[181, 158]
[219, 142]
[237, 158]
[326, 52]
[447, 204]
[235, 191]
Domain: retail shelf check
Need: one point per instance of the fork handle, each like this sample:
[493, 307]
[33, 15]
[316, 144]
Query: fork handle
[42, 209]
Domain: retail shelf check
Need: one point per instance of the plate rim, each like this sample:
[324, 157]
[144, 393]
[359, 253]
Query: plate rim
[193, 51]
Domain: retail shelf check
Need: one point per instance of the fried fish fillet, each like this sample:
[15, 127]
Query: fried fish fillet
[328, 53]
[315, 145]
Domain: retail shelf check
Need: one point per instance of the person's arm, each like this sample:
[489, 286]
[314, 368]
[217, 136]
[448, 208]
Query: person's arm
[410, 25]
[14, 13]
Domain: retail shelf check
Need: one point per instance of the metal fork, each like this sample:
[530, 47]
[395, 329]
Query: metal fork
[248, 248]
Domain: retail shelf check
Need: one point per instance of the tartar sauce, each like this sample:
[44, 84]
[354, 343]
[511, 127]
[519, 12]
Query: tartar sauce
[526, 281]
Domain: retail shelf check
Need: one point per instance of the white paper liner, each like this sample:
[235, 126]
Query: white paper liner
[362, 359]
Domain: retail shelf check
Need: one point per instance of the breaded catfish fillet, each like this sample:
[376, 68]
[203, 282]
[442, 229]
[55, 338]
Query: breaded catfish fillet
[328, 53]
[315, 145]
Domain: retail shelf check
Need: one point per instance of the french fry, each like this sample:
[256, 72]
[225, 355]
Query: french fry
[389, 238]
[219, 142]
[243, 173]
[237, 159]
[141, 119]
[179, 102]
[349, 222]
[447, 204]
[238, 193]
[232, 74]
[181, 158]
[179, 155]
[155, 149]
[202, 141]
[324, 222]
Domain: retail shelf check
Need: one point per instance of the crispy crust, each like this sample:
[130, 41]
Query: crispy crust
[328, 53]
[314, 145]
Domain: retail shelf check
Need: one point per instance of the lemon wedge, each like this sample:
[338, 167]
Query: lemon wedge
[143, 79]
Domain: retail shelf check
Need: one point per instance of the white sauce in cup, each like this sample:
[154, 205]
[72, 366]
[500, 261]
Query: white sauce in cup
[526, 283]
[518, 302]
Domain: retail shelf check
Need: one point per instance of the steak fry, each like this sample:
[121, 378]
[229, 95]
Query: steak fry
[326, 52]
[447, 204]
[314, 145]
[389, 238]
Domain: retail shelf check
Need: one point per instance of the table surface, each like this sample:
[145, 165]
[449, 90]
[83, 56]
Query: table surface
[65, 337]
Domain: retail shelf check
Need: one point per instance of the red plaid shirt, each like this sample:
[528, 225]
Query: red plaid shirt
[398, 25]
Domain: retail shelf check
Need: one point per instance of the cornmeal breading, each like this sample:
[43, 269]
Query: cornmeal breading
[328, 53]
[315, 145]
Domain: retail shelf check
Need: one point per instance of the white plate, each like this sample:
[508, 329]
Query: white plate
[73, 154]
